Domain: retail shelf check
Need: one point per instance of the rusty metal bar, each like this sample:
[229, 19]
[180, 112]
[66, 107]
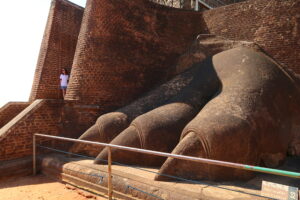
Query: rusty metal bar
[196, 159]
[110, 191]
[196, 5]
[205, 4]
[34, 155]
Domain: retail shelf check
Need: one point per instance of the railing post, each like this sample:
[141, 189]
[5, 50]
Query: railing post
[109, 175]
[34, 155]
[196, 5]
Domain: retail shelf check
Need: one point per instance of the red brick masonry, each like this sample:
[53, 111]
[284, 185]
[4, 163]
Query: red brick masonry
[16, 137]
[10, 110]
[274, 25]
[57, 49]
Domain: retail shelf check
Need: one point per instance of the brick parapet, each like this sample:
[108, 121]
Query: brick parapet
[57, 49]
[41, 116]
[10, 110]
[52, 117]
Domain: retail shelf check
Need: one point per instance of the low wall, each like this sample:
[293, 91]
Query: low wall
[16, 137]
[52, 117]
[10, 110]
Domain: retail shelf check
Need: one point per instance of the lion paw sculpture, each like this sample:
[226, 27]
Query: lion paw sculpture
[234, 105]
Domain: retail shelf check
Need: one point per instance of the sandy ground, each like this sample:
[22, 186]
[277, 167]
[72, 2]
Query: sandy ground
[41, 188]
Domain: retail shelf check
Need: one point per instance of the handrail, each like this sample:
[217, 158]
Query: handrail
[203, 3]
[221, 2]
[210, 4]
[190, 158]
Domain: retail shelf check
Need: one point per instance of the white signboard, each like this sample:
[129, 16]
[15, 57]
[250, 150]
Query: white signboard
[278, 191]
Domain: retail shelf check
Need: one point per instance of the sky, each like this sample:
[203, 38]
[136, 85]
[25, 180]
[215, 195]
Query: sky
[22, 24]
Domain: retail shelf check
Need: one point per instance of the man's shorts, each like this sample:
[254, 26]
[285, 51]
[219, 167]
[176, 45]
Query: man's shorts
[63, 87]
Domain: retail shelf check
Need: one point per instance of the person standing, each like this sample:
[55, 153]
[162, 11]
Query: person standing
[64, 79]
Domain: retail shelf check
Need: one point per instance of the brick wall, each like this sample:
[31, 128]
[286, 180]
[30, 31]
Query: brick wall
[272, 24]
[41, 116]
[10, 110]
[75, 120]
[52, 117]
[126, 48]
[57, 48]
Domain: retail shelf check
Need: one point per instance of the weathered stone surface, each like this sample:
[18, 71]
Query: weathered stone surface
[160, 128]
[109, 125]
[252, 107]
[253, 112]
[207, 45]
[250, 121]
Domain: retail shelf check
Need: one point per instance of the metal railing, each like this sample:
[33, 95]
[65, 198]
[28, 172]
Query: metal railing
[163, 154]
[195, 4]
[210, 4]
